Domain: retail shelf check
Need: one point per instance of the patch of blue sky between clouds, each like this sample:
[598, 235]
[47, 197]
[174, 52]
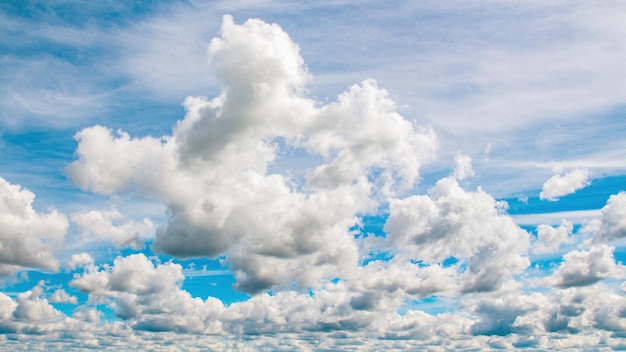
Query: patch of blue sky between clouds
[584, 204]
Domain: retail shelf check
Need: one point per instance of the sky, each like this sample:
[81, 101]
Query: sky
[329, 175]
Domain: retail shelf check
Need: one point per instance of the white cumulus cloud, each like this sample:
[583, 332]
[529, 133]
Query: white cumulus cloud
[27, 238]
[79, 260]
[585, 267]
[612, 224]
[563, 184]
[550, 238]
[468, 226]
[107, 225]
[61, 296]
[217, 173]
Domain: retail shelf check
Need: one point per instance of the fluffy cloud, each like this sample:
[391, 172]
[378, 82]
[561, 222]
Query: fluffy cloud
[27, 238]
[464, 167]
[339, 314]
[612, 225]
[106, 225]
[79, 260]
[550, 238]
[134, 274]
[562, 185]
[501, 315]
[149, 297]
[219, 171]
[279, 183]
[60, 296]
[31, 314]
[585, 267]
[470, 227]
[572, 310]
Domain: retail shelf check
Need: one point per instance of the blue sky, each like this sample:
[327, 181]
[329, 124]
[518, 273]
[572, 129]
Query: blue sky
[263, 175]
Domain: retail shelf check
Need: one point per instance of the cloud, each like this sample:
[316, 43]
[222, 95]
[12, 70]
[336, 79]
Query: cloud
[149, 297]
[134, 274]
[79, 261]
[463, 168]
[106, 225]
[281, 186]
[499, 315]
[551, 238]
[32, 307]
[560, 312]
[400, 278]
[467, 226]
[562, 185]
[556, 218]
[31, 314]
[581, 268]
[336, 314]
[612, 225]
[217, 174]
[27, 238]
[60, 296]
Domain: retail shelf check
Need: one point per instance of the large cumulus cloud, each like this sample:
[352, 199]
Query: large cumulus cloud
[220, 172]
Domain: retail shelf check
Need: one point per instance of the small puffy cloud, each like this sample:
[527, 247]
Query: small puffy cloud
[60, 296]
[107, 225]
[562, 185]
[79, 260]
[550, 238]
[581, 268]
[91, 315]
[27, 238]
[463, 168]
[132, 274]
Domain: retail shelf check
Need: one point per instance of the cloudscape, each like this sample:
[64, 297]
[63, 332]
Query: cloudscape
[337, 175]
